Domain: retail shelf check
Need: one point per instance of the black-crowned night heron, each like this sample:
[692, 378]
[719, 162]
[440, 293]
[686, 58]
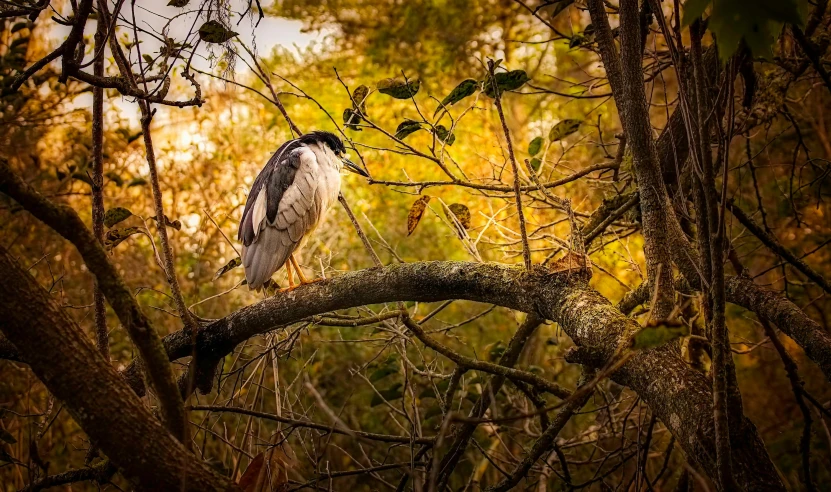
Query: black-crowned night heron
[288, 200]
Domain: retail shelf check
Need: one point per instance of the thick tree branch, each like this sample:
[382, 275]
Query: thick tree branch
[66, 222]
[776, 308]
[103, 405]
[101, 334]
[678, 394]
[625, 74]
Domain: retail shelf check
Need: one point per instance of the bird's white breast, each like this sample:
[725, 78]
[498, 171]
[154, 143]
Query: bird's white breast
[328, 170]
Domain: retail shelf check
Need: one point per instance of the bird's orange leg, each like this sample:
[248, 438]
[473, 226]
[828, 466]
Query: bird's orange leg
[288, 273]
[303, 279]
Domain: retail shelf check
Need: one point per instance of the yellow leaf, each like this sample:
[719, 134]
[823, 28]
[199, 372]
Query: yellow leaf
[416, 211]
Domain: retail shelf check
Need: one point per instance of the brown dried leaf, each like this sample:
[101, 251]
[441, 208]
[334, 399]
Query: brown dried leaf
[269, 470]
[416, 211]
[570, 262]
[175, 224]
[460, 211]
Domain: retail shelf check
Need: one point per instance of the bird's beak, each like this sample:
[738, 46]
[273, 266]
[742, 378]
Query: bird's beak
[354, 167]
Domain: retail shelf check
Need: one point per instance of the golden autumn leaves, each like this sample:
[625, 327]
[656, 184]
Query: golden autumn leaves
[457, 213]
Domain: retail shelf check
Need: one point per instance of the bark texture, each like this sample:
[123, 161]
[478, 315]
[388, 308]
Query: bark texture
[66, 222]
[792, 321]
[625, 74]
[680, 395]
[93, 392]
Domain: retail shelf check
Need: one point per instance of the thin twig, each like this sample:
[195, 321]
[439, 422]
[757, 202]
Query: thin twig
[526, 250]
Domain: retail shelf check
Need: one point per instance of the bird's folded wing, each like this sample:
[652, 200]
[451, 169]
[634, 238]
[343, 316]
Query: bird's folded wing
[297, 213]
[281, 214]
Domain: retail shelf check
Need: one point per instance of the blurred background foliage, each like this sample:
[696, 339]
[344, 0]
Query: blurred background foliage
[209, 156]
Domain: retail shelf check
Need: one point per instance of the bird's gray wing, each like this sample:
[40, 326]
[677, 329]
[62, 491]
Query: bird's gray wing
[280, 213]
[276, 177]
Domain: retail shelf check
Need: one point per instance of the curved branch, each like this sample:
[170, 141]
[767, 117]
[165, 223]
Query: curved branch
[66, 222]
[677, 393]
[109, 412]
[792, 321]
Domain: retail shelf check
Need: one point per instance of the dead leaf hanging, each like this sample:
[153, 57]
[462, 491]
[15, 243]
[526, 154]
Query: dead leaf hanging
[416, 211]
[227, 268]
[269, 470]
[460, 212]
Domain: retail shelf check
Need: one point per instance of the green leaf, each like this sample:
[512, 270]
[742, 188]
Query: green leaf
[5, 436]
[214, 32]
[406, 128]
[559, 6]
[177, 3]
[398, 88]
[174, 224]
[359, 96]
[148, 60]
[137, 182]
[535, 146]
[758, 22]
[693, 9]
[115, 237]
[82, 177]
[464, 89]
[116, 215]
[655, 336]
[391, 394]
[4, 456]
[351, 119]
[563, 129]
[506, 81]
[383, 372]
[444, 134]
[472, 397]
[495, 350]
[577, 40]
[432, 411]
[115, 178]
[442, 385]
[227, 268]
[427, 392]
[134, 137]
[535, 164]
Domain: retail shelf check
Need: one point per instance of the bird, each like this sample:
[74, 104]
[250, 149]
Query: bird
[288, 200]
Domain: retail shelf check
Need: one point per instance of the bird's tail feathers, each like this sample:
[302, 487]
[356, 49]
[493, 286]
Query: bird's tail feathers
[264, 257]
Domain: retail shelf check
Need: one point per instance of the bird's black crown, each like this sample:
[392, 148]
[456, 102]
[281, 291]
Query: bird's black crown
[328, 138]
